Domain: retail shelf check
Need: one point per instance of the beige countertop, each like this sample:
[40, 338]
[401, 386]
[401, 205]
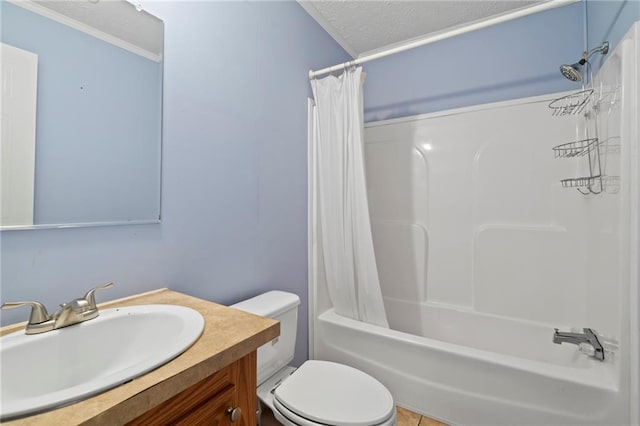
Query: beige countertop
[228, 335]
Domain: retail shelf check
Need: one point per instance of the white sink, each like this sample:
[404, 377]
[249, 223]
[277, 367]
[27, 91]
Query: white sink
[47, 370]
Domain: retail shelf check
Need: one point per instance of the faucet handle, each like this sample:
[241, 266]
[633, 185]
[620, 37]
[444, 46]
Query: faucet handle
[90, 297]
[38, 315]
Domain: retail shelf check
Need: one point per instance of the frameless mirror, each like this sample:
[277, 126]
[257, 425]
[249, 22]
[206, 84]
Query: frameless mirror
[81, 114]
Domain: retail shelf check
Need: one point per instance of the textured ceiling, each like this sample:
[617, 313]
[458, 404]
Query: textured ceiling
[362, 26]
[114, 17]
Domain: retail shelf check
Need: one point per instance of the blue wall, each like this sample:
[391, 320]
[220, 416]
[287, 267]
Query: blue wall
[234, 171]
[609, 21]
[98, 123]
[511, 60]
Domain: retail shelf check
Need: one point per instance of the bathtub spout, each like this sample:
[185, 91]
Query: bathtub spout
[588, 337]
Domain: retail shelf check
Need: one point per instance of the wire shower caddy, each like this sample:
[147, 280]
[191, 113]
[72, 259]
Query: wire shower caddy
[575, 104]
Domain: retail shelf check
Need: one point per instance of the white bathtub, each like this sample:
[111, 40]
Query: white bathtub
[477, 369]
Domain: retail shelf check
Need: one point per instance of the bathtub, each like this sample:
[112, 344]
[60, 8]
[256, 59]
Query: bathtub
[476, 369]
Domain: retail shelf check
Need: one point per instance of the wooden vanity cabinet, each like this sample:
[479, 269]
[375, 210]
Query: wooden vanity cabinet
[211, 401]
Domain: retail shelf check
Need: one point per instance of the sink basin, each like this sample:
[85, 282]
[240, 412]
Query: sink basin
[47, 370]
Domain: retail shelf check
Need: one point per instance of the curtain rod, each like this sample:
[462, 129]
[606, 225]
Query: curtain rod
[551, 4]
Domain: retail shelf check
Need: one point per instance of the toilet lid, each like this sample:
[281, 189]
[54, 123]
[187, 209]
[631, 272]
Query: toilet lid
[335, 394]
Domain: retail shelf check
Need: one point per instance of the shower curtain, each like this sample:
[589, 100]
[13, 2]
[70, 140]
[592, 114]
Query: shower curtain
[339, 199]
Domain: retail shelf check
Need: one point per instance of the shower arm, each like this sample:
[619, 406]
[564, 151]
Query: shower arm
[603, 48]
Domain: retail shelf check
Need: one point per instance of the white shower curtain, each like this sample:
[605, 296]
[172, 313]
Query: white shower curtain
[339, 199]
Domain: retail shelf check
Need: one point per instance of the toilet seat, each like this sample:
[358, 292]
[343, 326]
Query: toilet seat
[289, 418]
[326, 393]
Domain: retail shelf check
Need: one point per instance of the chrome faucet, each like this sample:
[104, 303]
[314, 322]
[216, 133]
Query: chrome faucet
[588, 337]
[70, 313]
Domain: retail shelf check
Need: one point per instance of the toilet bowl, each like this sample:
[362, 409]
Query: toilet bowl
[318, 392]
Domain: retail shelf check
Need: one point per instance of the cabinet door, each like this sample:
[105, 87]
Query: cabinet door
[208, 401]
[211, 413]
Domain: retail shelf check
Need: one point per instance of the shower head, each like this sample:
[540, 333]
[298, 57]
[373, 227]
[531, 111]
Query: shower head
[574, 71]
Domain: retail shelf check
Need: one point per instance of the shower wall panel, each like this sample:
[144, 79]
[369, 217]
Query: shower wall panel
[467, 210]
[605, 215]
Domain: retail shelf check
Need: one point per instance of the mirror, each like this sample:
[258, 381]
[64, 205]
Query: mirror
[81, 114]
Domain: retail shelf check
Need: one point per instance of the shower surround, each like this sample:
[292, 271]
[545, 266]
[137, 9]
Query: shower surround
[481, 253]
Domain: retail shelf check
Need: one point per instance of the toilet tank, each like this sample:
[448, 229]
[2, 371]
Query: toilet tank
[281, 306]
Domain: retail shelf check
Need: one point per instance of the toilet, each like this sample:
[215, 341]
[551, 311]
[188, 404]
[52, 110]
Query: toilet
[318, 392]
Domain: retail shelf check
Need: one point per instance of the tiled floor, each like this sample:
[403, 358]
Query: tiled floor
[405, 418]
[409, 418]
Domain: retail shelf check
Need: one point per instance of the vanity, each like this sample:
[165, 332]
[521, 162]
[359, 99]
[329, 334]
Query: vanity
[213, 382]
